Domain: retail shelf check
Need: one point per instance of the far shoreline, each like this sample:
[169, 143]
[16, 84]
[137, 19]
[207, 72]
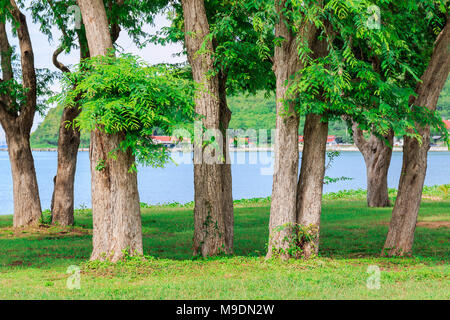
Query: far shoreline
[329, 148]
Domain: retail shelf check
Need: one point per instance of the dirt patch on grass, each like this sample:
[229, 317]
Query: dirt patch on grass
[42, 231]
[433, 224]
[19, 263]
[429, 224]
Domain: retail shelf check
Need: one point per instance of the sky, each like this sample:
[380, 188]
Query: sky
[43, 51]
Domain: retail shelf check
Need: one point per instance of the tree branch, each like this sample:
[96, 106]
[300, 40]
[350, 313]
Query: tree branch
[5, 54]
[27, 61]
[358, 138]
[58, 64]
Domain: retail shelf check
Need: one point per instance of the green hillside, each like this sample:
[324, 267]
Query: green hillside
[46, 135]
[249, 112]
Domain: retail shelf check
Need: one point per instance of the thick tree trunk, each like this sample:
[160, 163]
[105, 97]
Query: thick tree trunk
[212, 199]
[400, 237]
[115, 197]
[377, 156]
[68, 143]
[310, 185]
[17, 120]
[283, 210]
[312, 172]
[27, 205]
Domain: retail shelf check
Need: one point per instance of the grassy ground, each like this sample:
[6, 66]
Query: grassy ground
[34, 263]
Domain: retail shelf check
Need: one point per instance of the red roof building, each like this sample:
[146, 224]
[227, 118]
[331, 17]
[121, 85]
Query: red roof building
[163, 139]
[447, 124]
[330, 139]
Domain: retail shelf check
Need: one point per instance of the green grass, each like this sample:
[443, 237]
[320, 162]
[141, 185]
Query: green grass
[33, 263]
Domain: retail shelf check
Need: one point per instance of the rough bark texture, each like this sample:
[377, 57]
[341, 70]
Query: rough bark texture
[227, 181]
[310, 184]
[27, 205]
[17, 124]
[115, 198]
[377, 156]
[68, 143]
[212, 179]
[312, 171]
[400, 237]
[283, 210]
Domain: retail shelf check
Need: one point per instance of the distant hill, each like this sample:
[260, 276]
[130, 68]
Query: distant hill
[46, 135]
[249, 112]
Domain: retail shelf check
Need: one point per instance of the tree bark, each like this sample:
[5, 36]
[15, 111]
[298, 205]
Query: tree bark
[312, 171]
[17, 120]
[377, 157]
[284, 190]
[310, 184]
[212, 179]
[296, 202]
[68, 143]
[400, 237]
[27, 204]
[115, 197]
[227, 181]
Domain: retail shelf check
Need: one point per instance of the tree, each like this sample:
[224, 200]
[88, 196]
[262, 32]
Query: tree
[400, 237]
[396, 20]
[227, 38]
[377, 155]
[18, 104]
[121, 15]
[115, 111]
[115, 197]
[210, 200]
[283, 210]
[62, 206]
[332, 80]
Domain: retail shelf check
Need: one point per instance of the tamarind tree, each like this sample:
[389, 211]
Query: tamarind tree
[124, 99]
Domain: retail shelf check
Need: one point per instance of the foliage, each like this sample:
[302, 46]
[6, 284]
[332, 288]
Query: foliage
[249, 112]
[236, 57]
[126, 96]
[297, 236]
[369, 73]
[129, 15]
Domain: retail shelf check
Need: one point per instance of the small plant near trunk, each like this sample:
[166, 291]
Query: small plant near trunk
[297, 237]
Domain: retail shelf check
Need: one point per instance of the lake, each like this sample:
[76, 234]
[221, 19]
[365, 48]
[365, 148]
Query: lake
[251, 177]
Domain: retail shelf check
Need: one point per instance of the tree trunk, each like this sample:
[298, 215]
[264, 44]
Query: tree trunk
[227, 181]
[68, 143]
[212, 197]
[115, 196]
[312, 172]
[27, 205]
[400, 237]
[377, 156]
[63, 194]
[283, 210]
[284, 191]
[310, 185]
[17, 119]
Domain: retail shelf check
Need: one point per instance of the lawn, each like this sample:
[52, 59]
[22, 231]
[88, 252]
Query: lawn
[34, 263]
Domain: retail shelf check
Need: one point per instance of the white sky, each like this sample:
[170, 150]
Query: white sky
[43, 51]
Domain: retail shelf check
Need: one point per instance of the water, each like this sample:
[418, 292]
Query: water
[175, 182]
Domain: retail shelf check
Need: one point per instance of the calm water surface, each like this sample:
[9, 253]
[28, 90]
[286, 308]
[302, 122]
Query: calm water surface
[251, 177]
